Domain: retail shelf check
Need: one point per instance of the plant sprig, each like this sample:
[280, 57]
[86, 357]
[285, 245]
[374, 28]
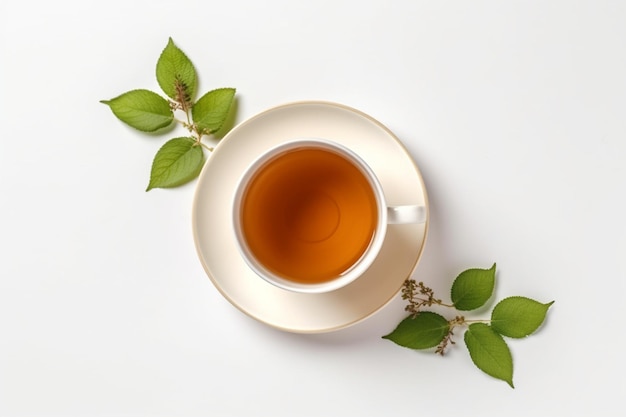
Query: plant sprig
[180, 159]
[512, 317]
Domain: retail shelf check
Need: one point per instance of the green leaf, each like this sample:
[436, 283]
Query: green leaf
[472, 288]
[518, 316]
[425, 330]
[489, 352]
[176, 74]
[211, 110]
[142, 109]
[177, 162]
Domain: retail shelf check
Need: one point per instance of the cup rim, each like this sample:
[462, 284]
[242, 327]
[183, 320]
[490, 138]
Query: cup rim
[360, 266]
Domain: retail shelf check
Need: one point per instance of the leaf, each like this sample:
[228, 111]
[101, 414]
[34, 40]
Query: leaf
[489, 352]
[518, 316]
[472, 288]
[177, 162]
[423, 331]
[211, 110]
[142, 109]
[176, 74]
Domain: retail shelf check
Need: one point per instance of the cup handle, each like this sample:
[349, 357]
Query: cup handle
[406, 214]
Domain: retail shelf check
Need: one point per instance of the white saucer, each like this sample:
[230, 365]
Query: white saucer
[215, 240]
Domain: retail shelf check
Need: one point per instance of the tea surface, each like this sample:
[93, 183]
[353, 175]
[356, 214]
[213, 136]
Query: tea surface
[308, 215]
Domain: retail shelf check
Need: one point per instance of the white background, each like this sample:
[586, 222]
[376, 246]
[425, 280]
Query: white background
[514, 111]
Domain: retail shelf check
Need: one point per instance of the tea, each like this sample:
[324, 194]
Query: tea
[308, 215]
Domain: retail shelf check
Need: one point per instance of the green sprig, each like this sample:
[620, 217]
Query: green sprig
[180, 159]
[513, 317]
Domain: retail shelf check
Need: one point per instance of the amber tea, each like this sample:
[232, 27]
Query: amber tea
[308, 215]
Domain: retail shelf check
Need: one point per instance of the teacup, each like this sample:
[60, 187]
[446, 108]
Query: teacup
[310, 216]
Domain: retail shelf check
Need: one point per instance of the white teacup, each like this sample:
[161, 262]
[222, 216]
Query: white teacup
[310, 216]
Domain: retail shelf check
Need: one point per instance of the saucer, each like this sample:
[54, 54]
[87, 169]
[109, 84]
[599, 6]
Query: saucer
[215, 238]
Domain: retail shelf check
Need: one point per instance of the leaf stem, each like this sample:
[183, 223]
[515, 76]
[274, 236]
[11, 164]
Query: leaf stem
[486, 321]
[185, 124]
[438, 302]
[188, 114]
[208, 148]
[429, 302]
